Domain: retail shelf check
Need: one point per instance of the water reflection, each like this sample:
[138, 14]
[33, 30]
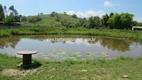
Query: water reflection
[110, 43]
[9, 42]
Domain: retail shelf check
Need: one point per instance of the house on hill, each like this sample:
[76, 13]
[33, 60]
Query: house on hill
[136, 27]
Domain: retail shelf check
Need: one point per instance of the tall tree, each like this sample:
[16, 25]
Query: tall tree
[126, 20]
[94, 22]
[14, 13]
[104, 20]
[114, 21]
[111, 14]
[5, 11]
[121, 21]
[82, 22]
[65, 13]
[1, 13]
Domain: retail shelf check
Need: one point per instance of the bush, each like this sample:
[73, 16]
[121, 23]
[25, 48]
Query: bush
[53, 14]
[24, 18]
[9, 20]
[34, 19]
[57, 18]
[74, 16]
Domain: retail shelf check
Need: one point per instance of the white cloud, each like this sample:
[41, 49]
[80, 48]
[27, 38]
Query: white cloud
[87, 13]
[79, 41]
[109, 4]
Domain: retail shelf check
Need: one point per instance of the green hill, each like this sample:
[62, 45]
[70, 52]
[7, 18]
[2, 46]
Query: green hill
[49, 20]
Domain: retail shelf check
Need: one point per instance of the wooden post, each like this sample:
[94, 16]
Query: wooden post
[27, 59]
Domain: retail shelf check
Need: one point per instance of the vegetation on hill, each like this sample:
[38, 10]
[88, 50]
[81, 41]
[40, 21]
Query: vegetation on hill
[111, 21]
[114, 21]
[62, 23]
[50, 20]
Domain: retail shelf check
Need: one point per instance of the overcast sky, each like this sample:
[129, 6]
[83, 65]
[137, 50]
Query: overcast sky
[83, 8]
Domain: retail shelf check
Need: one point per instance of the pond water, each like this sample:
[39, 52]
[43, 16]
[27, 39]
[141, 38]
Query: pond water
[60, 47]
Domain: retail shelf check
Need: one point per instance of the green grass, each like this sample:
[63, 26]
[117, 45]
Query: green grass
[136, 35]
[7, 62]
[112, 69]
[49, 25]
[48, 21]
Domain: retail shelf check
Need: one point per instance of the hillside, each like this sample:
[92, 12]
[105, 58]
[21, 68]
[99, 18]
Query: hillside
[56, 20]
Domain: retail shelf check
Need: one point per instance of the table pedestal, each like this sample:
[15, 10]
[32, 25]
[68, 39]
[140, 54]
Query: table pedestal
[27, 59]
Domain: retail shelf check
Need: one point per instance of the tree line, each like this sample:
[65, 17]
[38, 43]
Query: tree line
[111, 21]
[9, 15]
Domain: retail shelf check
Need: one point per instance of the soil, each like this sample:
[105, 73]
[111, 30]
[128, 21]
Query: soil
[17, 72]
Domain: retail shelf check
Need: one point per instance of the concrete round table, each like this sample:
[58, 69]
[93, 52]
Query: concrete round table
[27, 56]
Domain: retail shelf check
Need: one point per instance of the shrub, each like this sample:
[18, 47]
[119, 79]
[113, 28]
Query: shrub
[34, 19]
[9, 20]
[74, 16]
[24, 18]
[53, 14]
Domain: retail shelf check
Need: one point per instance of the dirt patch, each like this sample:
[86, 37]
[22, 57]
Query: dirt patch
[16, 72]
[52, 70]
[83, 70]
[84, 78]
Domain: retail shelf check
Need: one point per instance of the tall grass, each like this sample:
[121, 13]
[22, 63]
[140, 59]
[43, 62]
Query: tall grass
[137, 35]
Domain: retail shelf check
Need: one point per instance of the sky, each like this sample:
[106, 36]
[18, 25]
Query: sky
[82, 8]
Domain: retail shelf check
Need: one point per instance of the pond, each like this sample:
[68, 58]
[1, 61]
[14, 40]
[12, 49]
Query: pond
[61, 47]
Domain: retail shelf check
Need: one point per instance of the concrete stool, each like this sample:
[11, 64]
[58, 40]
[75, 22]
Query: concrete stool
[27, 56]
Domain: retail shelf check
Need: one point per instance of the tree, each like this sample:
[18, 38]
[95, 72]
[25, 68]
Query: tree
[9, 20]
[1, 13]
[114, 21]
[139, 24]
[121, 21]
[126, 20]
[134, 23]
[57, 18]
[65, 13]
[94, 22]
[40, 14]
[53, 14]
[5, 11]
[23, 18]
[111, 14]
[74, 16]
[14, 13]
[82, 22]
[104, 20]
[11, 8]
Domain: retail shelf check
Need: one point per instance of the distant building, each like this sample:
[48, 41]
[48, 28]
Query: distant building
[137, 28]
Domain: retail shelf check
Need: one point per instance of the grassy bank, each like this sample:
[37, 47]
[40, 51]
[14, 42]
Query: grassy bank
[7, 62]
[112, 69]
[137, 35]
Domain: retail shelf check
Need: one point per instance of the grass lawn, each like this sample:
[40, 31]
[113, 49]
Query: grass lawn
[135, 35]
[113, 69]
